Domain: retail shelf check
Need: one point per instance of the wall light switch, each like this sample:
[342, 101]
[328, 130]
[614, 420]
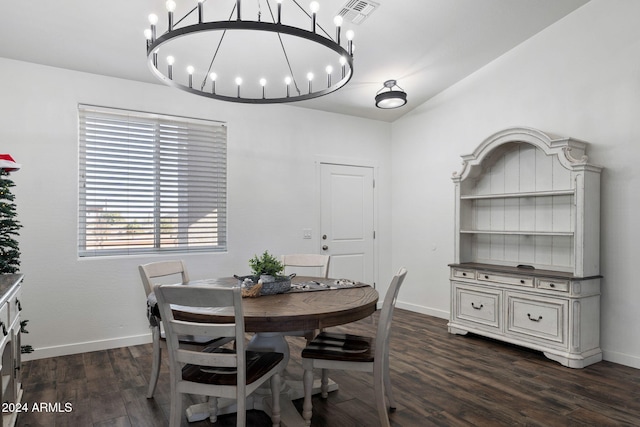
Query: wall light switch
[306, 233]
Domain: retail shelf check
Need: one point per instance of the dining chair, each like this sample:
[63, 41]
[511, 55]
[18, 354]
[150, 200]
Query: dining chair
[330, 350]
[164, 271]
[232, 373]
[308, 261]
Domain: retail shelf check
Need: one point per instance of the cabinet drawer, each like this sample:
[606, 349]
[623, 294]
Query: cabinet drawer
[460, 273]
[478, 305]
[542, 318]
[554, 285]
[505, 279]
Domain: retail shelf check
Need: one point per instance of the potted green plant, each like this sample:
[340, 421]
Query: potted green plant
[266, 271]
[266, 266]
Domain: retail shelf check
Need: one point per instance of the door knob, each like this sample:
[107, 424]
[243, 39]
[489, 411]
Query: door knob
[325, 247]
[324, 237]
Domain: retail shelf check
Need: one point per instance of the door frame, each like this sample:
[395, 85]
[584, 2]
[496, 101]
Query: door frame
[362, 163]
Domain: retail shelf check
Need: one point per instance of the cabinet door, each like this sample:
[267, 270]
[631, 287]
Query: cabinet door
[537, 318]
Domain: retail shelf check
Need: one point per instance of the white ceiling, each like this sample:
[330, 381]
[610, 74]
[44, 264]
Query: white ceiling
[426, 45]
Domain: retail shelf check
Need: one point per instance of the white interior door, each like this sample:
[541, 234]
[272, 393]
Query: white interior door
[347, 221]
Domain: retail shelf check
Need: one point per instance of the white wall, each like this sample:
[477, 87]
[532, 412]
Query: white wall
[77, 305]
[579, 78]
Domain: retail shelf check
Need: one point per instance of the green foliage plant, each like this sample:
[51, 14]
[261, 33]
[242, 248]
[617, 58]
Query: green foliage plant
[265, 264]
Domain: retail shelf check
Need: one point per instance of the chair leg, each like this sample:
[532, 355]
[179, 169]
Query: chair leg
[241, 412]
[175, 418]
[213, 409]
[307, 406]
[387, 384]
[324, 384]
[155, 363]
[378, 390]
[275, 399]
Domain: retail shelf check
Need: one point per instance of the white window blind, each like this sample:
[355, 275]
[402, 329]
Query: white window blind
[150, 183]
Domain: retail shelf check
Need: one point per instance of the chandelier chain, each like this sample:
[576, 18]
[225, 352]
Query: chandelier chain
[187, 14]
[215, 54]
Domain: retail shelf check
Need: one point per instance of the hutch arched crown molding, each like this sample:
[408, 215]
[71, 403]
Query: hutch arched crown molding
[527, 247]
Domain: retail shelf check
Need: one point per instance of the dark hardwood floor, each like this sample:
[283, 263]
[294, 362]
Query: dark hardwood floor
[439, 380]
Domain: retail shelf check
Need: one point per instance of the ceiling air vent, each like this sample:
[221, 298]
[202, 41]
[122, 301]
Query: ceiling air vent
[356, 11]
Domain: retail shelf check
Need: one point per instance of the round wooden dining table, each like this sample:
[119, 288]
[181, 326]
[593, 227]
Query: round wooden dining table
[271, 317]
[293, 311]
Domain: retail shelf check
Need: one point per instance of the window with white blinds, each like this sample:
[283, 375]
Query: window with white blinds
[150, 183]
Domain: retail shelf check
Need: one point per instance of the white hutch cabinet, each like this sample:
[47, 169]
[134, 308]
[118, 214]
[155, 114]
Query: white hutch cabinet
[527, 246]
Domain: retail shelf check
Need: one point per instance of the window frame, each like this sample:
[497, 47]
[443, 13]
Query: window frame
[143, 174]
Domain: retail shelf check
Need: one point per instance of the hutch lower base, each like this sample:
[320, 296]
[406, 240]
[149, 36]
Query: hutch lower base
[557, 314]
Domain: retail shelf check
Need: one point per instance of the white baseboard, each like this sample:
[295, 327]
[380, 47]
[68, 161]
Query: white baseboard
[85, 347]
[621, 358]
[423, 310]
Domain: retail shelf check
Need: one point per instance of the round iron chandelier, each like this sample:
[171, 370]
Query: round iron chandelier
[226, 58]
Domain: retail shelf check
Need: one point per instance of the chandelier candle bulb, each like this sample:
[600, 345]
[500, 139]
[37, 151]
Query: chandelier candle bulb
[213, 77]
[329, 70]
[350, 34]
[153, 20]
[263, 83]
[200, 14]
[310, 78]
[170, 61]
[171, 7]
[279, 11]
[287, 81]
[338, 22]
[190, 71]
[314, 6]
[147, 35]
[238, 83]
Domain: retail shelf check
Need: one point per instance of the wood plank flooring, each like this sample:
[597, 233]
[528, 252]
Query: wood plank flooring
[439, 380]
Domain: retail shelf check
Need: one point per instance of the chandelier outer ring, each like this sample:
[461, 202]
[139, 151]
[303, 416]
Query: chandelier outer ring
[250, 26]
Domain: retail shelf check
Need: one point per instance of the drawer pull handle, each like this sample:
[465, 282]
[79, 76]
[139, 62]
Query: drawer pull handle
[477, 307]
[552, 285]
[18, 305]
[522, 282]
[534, 320]
[486, 277]
[464, 274]
[4, 329]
